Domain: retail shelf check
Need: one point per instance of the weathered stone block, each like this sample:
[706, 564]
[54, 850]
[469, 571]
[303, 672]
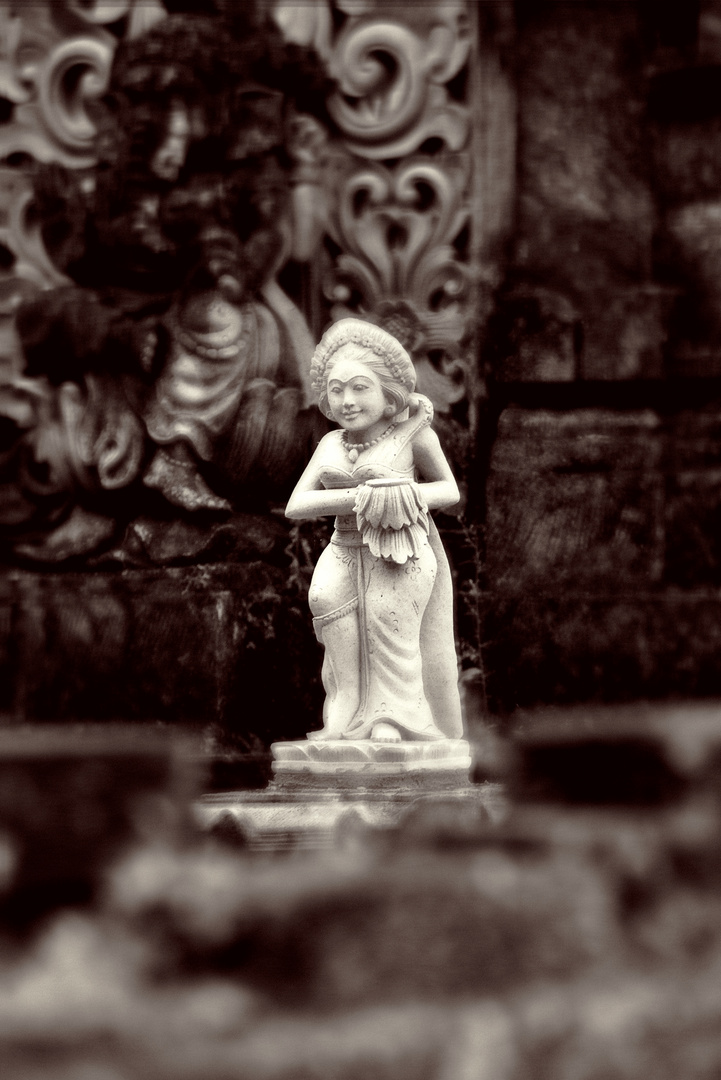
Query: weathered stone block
[586, 210]
[613, 333]
[625, 333]
[575, 497]
[693, 247]
[693, 499]
[574, 647]
[537, 335]
[586, 213]
[227, 648]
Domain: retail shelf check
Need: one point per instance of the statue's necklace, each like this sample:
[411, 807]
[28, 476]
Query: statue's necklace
[354, 450]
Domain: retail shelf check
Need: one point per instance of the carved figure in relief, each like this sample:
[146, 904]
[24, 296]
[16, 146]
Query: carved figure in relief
[171, 359]
[381, 594]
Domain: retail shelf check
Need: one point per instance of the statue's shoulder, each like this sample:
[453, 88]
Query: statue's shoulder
[330, 442]
[331, 438]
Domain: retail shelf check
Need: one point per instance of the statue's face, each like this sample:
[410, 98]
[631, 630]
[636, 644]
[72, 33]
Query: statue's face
[355, 396]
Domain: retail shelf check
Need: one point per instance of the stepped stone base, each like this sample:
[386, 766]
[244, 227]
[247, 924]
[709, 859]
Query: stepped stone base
[327, 791]
[278, 819]
[364, 764]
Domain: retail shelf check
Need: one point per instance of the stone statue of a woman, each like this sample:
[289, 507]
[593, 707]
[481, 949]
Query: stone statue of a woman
[381, 595]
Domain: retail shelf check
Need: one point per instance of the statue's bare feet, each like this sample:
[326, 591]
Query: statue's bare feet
[174, 473]
[383, 732]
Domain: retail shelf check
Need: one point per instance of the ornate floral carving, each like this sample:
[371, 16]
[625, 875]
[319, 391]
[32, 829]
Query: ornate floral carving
[50, 76]
[55, 62]
[397, 264]
[392, 63]
[398, 226]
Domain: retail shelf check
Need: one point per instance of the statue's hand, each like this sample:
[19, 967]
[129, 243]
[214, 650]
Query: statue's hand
[392, 518]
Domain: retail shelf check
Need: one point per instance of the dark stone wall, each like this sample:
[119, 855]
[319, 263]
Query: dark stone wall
[602, 483]
[580, 300]
[227, 649]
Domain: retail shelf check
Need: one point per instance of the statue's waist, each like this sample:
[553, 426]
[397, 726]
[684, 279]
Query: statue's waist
[346, 532]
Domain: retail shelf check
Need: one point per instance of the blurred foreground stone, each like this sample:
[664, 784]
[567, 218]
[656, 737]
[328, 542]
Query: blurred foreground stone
[577, 934]
[73, 799]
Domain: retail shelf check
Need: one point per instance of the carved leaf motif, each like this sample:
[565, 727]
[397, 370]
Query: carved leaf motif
[380, 72]
[389, 103]
[396, 225]
[99, 11]
[21, 234]
[391, 96]
[51, 69]
[110, 437]
[53, 62]
[394, 229]
[12, 84]
[55, 125]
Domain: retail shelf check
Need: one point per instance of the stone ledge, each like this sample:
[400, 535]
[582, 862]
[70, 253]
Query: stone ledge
[278, 819]
[332, 756]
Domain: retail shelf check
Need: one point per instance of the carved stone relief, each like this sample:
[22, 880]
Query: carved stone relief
[55, 62]
[401, 201]
[154, 354]
[157, 176]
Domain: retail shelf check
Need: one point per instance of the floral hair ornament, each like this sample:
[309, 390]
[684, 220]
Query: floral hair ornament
[368, 336]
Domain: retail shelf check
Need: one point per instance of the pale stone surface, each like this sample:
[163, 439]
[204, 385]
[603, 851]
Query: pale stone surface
[381, 595]
[333, 756]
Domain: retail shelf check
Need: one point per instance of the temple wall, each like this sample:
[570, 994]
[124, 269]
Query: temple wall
[603, 573]
[528, 196]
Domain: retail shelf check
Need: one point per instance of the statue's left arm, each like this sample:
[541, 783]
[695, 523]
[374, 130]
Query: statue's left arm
[310, 499]
[436, 481]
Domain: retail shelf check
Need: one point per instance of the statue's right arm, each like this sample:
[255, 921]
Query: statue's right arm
[311, 500]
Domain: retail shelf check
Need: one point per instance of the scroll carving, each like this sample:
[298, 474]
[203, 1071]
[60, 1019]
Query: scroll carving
[394, 228]
[50, 78]
[391, 77]
[55, 63]
[400, 216]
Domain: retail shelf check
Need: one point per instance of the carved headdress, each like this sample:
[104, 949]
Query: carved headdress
[369, 337]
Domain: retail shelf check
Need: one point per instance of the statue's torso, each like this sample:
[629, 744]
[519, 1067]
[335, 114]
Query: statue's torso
[392, 457]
